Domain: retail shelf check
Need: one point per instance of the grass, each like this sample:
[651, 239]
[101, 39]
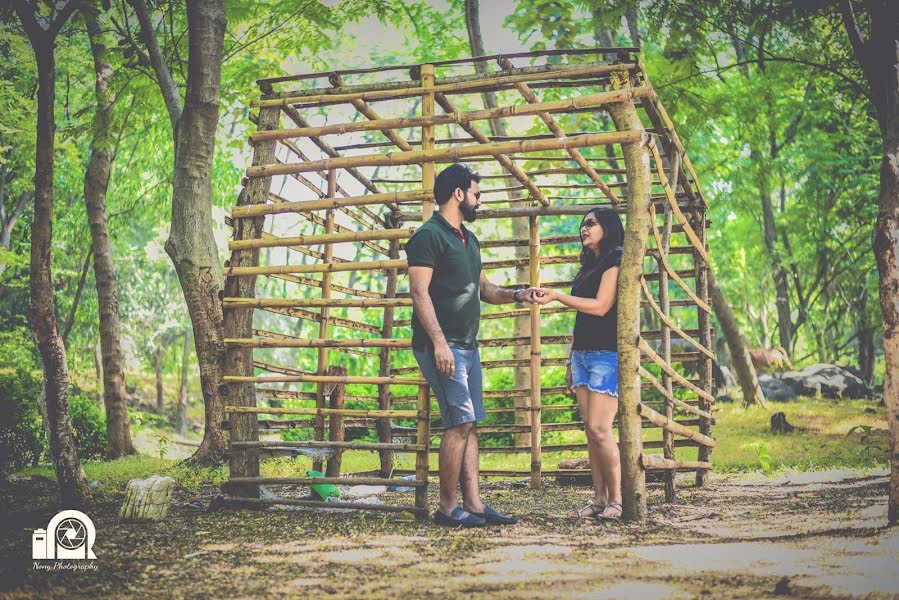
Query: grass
[829, 434]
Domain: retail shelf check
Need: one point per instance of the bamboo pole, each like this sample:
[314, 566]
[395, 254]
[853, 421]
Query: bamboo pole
[470, 84]
[447, 154]
[668, 393]
[427, 141]
[317, 343]
[705, 335]
[308, 315]
[557, 131]
[535, 418]
[340, 480]
[672, 201]
[672, 373]
[335, 398]
[671, 400]
[326, 268]
[673, 426]
[513, 169]
[331, 444]
[656, 462]
[423, 437]
[675, 275]
[256, 210]
[234, 303]
[346, 412]
[385, 434]
[668, 324]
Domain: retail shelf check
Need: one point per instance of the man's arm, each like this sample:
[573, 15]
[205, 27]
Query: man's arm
[419, 281]
[493, 294]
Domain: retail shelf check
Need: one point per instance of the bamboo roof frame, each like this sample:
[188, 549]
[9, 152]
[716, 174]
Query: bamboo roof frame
[377, 215]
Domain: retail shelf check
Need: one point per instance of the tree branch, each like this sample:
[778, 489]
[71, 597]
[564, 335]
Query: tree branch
[163, 76]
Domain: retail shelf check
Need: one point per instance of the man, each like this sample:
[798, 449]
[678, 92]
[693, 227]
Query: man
[447, 287]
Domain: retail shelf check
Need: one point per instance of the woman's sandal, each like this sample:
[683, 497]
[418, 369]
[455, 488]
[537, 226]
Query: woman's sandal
[604, 517]
[595, 510]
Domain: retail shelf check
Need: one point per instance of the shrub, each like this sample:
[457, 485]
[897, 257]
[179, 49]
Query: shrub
[89, 422]
[22, 440]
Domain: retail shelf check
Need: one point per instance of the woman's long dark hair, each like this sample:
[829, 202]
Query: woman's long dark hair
[612, 238]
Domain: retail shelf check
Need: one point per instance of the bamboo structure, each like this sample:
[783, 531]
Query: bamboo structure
[319, 235]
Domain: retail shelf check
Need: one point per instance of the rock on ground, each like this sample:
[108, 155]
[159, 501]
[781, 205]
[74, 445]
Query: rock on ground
[826, 380]
[776, 389]
[147, 499]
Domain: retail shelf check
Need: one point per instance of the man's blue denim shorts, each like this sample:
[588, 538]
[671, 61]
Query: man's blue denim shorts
[459, 397]
[598, 370]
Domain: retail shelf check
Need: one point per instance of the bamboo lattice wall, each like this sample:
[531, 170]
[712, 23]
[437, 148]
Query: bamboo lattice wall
[341, 176]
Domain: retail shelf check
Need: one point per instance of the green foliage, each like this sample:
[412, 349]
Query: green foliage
[22, 440]
[761, 451]
[89, 422]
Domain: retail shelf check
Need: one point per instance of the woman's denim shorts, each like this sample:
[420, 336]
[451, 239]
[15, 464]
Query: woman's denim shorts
[598, 370]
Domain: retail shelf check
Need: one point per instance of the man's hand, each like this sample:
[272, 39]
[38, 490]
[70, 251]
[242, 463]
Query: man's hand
[527, 295]
[443, 356]
[543, 296]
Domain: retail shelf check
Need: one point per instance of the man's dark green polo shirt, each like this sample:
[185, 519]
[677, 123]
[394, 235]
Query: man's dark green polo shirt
[455, 284]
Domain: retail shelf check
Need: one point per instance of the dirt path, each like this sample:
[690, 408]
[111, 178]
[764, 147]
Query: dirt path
[817, 535]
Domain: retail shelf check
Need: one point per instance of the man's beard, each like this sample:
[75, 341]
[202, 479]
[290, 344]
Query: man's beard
[469, 212]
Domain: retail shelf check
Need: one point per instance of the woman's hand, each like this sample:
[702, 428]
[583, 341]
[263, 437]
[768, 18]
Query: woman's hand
[543, 296]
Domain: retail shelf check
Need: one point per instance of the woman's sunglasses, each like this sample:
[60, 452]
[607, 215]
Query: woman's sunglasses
[588, 223]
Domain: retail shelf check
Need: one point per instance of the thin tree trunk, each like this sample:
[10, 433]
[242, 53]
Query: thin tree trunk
[67, 328]
[98, 364]
[73, 487]
[96, 182]
[865, 335]
[781, 285]
[158, 358]
[745, 372]
[879, 58]
[522, 326]
[191, 244]
[182, 390]
[639, 185]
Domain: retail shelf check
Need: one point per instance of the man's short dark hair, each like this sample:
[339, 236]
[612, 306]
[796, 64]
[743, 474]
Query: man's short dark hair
[452, 177]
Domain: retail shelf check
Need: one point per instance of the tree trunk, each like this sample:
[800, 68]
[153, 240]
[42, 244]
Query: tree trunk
[639, 184]
[745, 372]
[865, 335]
[96, 181]
[781, 286]
[879, 59]
[98, 364]
[182, 390]
[76, 301]
[158, 358]
[191, 244]
[522, 326]
[73, 487]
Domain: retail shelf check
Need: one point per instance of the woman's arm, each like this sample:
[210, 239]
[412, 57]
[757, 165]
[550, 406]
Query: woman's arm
[599, 306]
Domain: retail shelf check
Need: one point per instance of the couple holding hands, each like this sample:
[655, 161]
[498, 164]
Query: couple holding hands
[447, 287]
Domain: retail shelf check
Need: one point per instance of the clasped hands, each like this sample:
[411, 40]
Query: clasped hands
[541, 296]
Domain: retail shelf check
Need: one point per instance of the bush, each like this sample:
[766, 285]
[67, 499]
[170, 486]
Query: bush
[22, 440]
[89, 422]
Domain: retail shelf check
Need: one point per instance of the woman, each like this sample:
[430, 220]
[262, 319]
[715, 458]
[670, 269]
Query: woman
[593, 358]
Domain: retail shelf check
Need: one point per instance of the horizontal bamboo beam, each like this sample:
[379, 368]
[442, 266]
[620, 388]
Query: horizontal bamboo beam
[330, 444]
[258, 210]
[345, 412]
[308, 315]
[314, 302]
[374, 265]
[324, 238]
[470, 84]
[447, 154]
[657, 462]
[673, 426]
[239, 500]
[325, 379]
[335, 480]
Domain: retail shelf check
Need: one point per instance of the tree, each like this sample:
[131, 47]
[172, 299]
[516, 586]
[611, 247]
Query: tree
[191, 244]
[69, 475]
[96, 182]
[878, 55]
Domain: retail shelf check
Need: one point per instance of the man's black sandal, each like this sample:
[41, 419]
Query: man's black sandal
[491, 516]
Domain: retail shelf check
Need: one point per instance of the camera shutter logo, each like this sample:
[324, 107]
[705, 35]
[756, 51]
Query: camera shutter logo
[70, 534]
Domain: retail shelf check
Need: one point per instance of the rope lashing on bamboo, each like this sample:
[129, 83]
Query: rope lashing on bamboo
[674, 427]
[667, 320]
[557, 131]
[464, 84]
[326, 238]
[447, 154]
[672, 201]
[669, 269]
[670, 397]
[644, 347]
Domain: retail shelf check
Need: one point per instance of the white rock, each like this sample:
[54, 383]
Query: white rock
[147, 499]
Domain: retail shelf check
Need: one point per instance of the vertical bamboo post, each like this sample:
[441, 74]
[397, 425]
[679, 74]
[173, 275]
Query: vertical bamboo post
[323, 326]
[427, 139]
[665, 305]
[239, 323]
[705, 338]
[385, 431]
[535, 413]
[421, 457]
[335, 422]
[639, 187]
